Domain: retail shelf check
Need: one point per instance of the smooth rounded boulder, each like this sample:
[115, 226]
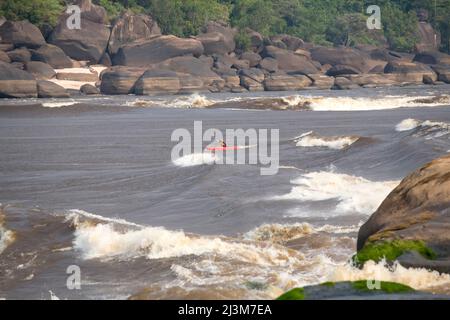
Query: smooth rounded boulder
[217, 39]
[289, 62]
[119, 80]
[4, 57]
[21, 34]
[342, 56]
[88, 43]
[415, 215]
[52, 55]
[19, 55]
[89, 89]
[15, 83]
[131, 27]
[48, 89]
[156, 50]
[40, 70]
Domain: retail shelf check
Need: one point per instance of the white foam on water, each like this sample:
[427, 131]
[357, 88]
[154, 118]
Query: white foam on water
[354, 194]
[407, 124]
[59, 104]
[310, 139]
[7, 237]
[193, 101]
[416, 278]
[103, 240]
[365, 104]
[195, 159]
[53, 296]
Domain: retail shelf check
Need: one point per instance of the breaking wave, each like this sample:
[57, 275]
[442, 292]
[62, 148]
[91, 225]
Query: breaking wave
[311, 139]
[7, 237]
[195, 159]
[354, 194]
[430, 129]
[417, 278]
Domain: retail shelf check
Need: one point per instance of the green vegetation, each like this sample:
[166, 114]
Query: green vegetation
[38, 12]
[294, 294]
[326, 22]
[243, 41]
[391, 250]
[388, 287]
[328, 284]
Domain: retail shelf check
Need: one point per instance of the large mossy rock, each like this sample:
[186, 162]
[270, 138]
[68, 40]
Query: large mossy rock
[415, 217]
[15, 83]
[131, 27]
[21, 34]
[359, 290]
[90, 41]
[156, 50]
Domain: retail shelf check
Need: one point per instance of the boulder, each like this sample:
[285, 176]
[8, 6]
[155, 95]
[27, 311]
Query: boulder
[251, 84]
[253, 73]
[120, 80]
[377, 69]
[2, 21]
[131, 27]
[285, 41]
[341, 69]
[105, 60]
[409, 72]
[157, 82]
[40, 70]
[320, 81]
[89, 89]
[414, 219]
[156, 50]
[217, 39]
[289, 61]
[256, 40]
[252, 58]
[207, 60]
[191, 66]
[18, 65]
[51, 55]
[373, 80]
[90, 41]
[6, 46]
[48, 89]
[342, 56]
[21, 34]
[4, 57]
[429, 39]
[19, 55]
[342, 83]
[15, 83]
[432, 57]
[443, 72]
[240, 64]
[281, 82]
[269, 64]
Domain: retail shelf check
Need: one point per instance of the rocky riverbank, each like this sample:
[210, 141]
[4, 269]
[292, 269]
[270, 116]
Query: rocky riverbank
[411, 227]
[131, 56]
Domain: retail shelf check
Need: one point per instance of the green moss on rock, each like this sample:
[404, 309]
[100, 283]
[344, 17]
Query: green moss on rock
[391, 250]
[328, 284]
[294, 294]
[388, 287]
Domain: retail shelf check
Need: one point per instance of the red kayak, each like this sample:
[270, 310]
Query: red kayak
[223, 148]
[229, 148]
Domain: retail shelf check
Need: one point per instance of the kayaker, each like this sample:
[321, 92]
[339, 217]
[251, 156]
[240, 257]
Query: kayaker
[222, 144]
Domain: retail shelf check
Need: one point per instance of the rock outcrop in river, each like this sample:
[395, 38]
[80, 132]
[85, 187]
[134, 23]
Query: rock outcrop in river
[412, 225]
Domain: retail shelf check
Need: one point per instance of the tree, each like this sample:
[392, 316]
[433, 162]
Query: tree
[38, 12]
